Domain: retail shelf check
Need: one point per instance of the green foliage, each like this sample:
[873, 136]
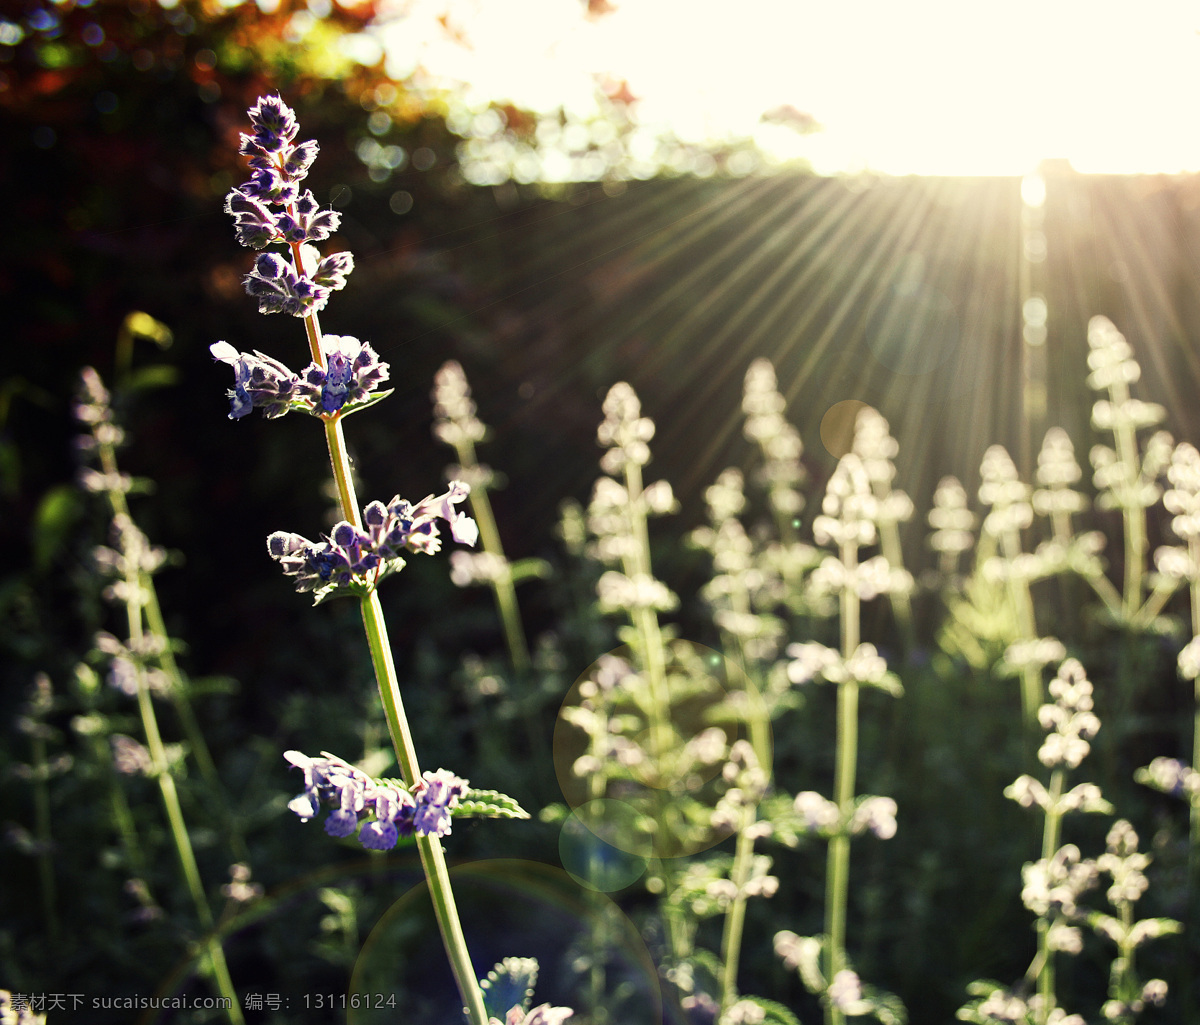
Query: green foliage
[489, 804]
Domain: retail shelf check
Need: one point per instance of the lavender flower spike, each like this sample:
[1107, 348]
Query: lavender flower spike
[356, 560]
[393, 811]
[270, 208]
[279, 289]
[437, 794]
[463, 529]
[352, 371]
[259, 382]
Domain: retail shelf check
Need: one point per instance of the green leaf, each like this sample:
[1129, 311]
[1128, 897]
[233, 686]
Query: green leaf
[370, 400]
[887, 1008]
[528, 569]
[54, 523]
[890, 684]
[358, 589]
[774, 1013]
[160, 375]
[141, 325]
[488, 804]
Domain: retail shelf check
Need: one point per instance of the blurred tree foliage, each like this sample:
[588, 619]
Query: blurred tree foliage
[121, 125]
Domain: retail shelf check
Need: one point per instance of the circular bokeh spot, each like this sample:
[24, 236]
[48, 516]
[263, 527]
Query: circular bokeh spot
[837, 426]
[594, 845]
[656, 744]
[508, 908]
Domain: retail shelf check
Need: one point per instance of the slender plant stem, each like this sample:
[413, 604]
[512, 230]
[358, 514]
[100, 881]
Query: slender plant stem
[152, 612]
[637, 563]
[735, 918]
[503, 590]
[837, 881]
[1135, 517]
[1194, 852]
[1050, 838]
[140, 596]
[889, 546]
[166, 785]
[42, 818]
[644, 619]
[429, 847]
[1031, 675]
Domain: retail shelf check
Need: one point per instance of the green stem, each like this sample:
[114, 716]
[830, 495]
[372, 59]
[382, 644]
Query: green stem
[152, 612]
[837, 882]
[1050, 839]
[735, 918]
[1135, 517]
[1192, 905]
[889, 545]
[503, 590]
[1107, 592]
[429, 847]
[1031, 676]
[170, 797]
[1154, 604]
[41, 818]
[1194, 851]
[645, 621]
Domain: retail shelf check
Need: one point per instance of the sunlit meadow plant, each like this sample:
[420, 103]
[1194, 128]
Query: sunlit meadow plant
[849, 521]
[513, 690]
[141, 665]
[675, 732]
[1055, 884]
[368, 543]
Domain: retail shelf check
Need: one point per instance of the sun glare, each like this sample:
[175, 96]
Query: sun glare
[926, 87]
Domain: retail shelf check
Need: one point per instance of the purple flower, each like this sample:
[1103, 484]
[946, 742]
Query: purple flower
[436, 795]
[254, 223]
[274, 125]
[259, 382]
[307, 222]
[352, 371]
[278, 165]
[359, 558]
[313, 565]
[463, 529]
[333, 270]
[296, 163]
[359, 552]
[267, 185]
[279, 289]
[344, 820]
[392, 810]
[316, 778]
[414, 527]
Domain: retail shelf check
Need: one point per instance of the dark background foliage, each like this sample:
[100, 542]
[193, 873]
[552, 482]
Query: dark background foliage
[120, 125]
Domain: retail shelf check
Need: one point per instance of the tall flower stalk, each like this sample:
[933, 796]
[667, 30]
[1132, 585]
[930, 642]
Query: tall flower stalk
[617, 519]
[131, 559]
[365, 546]
[1125, 477]
[1054, 882]
[94, 410]
[456, 424]
[846, 524]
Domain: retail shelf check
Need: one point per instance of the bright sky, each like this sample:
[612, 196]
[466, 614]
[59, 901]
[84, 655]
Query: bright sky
[900, 86]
